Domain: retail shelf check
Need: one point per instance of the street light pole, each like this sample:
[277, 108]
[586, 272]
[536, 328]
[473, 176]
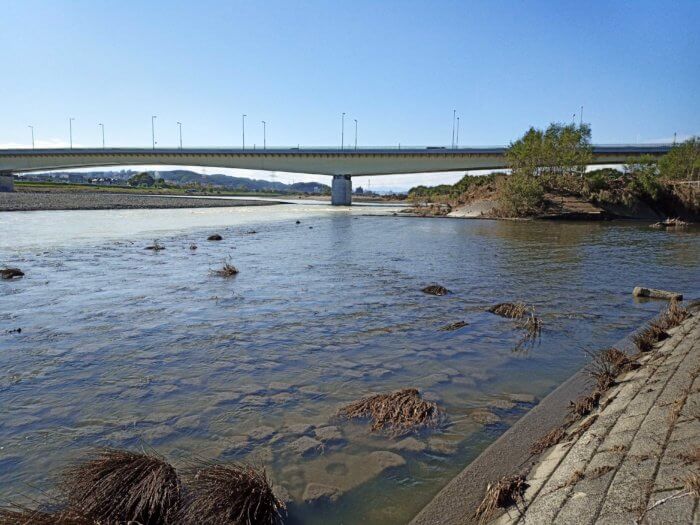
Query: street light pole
[457, 139]
[342, 131]
[103, 134]
[32, 128]
[264, 134]
[70, 130]
[580, 121]
[355, 134]
[153, 130]
[243, 119]
[454, 116]
[179, 125]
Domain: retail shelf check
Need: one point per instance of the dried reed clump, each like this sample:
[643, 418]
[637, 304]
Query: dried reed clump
[527, 320]
[508, 491]
[656, 330]
[606, 365]
[231, 494]
[123, 486]
[510, 310]
[550, 439]
[690, 458]
[583, 406]
[435, 289]
[24, 516]
[156, 247]
[399, 412]
[691, 483]
[11, 273]
[227, 270]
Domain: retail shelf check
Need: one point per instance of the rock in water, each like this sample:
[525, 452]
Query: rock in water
[11, 273]
[215, 237]
[656, 294]
[435, 289]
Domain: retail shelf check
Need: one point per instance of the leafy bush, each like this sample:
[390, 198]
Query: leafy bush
[521, 195]
[682, 162]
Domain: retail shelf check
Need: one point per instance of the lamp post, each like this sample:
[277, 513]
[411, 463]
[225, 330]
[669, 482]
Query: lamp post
[342, 131]
[103, 134]
[32, 128]
[355, 134]
[153, 130]
[264, 134]
[70, 130]
[580, 122]
[179, 126]
[243, 119]
[454, 116]
[457, 139]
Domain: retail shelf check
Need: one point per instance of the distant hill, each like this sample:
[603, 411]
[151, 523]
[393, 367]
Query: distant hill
[185, 177]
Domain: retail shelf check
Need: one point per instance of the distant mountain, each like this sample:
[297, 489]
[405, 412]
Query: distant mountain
[184, 177]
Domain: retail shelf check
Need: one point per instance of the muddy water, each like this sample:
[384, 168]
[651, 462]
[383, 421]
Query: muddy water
[124, 347]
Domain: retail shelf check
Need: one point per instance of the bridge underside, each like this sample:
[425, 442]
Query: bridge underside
[340, 164]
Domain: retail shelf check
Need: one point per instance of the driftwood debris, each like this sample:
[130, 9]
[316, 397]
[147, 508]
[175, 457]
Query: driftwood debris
[653, 293]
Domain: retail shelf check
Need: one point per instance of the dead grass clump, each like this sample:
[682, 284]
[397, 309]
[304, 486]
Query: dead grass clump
[510, 310]
[227, 270]
[11, 273]
[123, 486]
[674, 315]
[156, 247]
[215, 237]
[583, 406]
[435, 289]
[454, 326]
[655, 331]
[646, 338]
[399, 412]
[233, 493]
[690, 458]
[508, 491]
[606, 365]
[691, 483]
[550, 439]
[599, 471]
[24, 516]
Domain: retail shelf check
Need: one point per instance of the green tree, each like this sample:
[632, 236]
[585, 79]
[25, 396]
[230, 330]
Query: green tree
[521, 195]
[562, 149]
[141, 179]
[644, 177]
[682, 162]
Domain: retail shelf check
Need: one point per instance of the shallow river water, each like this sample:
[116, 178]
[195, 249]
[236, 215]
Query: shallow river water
[125, 347]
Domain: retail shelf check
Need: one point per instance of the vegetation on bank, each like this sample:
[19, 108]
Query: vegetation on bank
[549, 165]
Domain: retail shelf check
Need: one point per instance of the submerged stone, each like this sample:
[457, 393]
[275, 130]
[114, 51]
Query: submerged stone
[305, 445]
[484, 416]
[318, 492]
[328, 434]
[410, 444]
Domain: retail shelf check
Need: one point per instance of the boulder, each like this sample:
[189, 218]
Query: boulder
[656, 294]
[305, 445]
[318, 492]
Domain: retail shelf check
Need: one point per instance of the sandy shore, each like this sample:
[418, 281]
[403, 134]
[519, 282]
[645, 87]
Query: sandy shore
[111, 201]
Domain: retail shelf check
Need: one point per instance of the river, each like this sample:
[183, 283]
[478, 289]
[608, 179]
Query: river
[124, 347]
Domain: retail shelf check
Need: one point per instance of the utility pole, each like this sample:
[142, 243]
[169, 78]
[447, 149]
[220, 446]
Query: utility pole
[674, 138]
[454, 115]
[355, 134]
[264, 134]
[342, 131]
[103, 134]
[457, 140]
[32, 128]
[179, 126]
[70, 130]
[243, 119]
[153, 130]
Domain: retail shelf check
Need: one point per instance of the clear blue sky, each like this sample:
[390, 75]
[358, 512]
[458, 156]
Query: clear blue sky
[400, 68]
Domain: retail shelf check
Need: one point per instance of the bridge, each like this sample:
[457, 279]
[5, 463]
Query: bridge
[341, 164]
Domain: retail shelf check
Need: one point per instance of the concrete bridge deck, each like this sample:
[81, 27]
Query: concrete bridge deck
[342, 164]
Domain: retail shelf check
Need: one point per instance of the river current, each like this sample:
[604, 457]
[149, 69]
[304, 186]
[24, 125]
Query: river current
[126, 347]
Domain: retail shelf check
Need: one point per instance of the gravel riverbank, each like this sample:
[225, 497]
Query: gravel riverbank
[111, 201]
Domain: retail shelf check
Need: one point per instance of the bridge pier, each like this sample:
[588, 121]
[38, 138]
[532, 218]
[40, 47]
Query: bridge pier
[341, 190]
[7, 182]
